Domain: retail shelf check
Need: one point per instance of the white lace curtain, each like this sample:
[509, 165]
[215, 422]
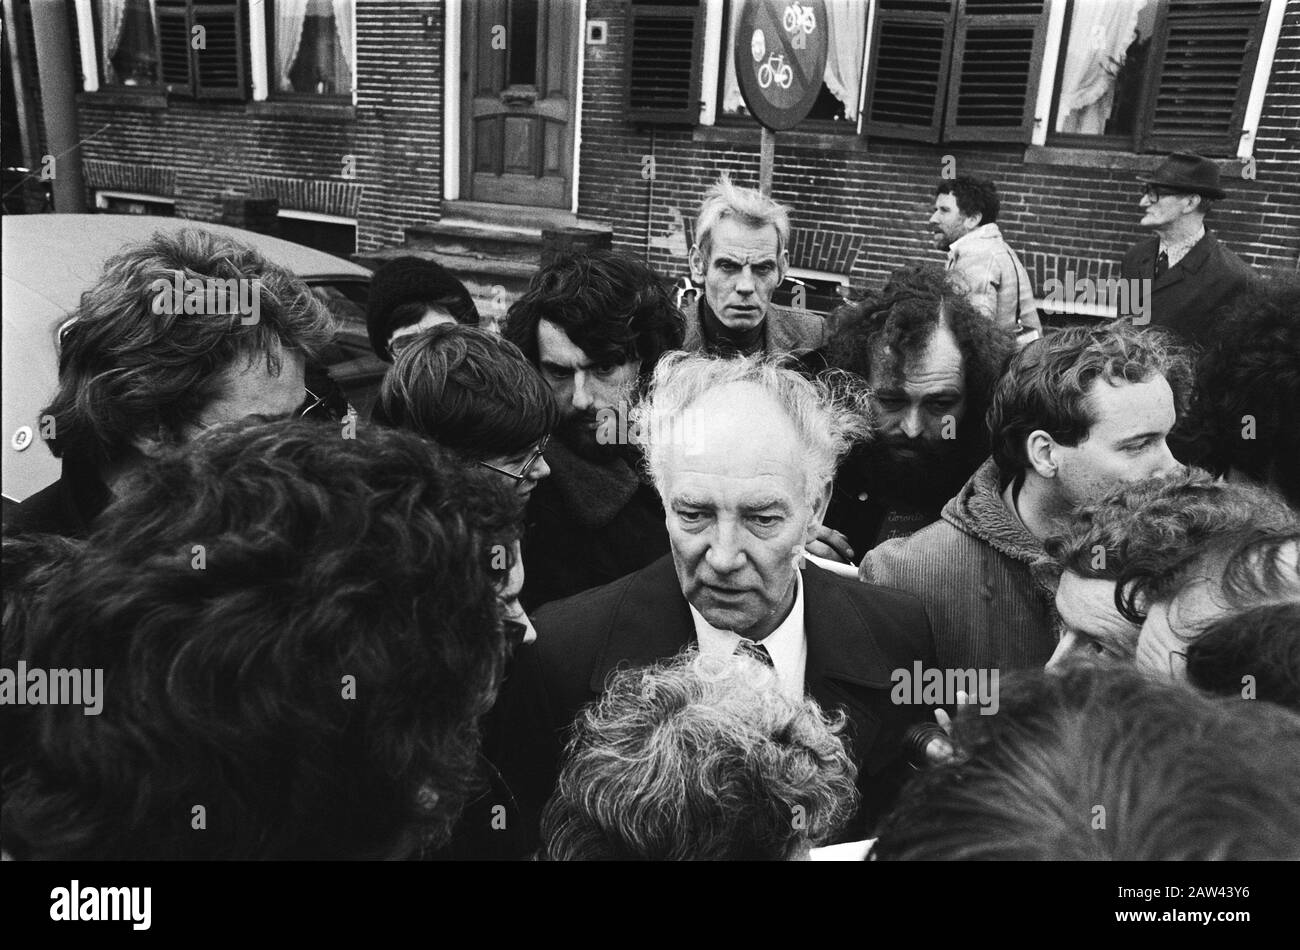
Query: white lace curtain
[290, 15]
[1100, 34]
[846, 29]
[112, 19]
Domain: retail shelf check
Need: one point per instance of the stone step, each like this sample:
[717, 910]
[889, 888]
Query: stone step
[470, 239]
[510, 215]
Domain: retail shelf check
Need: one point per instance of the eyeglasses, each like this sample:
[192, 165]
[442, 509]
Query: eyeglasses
[528, 466]
[1155, 194]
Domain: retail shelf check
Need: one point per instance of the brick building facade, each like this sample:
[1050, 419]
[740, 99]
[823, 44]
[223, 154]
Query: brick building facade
[411, 145]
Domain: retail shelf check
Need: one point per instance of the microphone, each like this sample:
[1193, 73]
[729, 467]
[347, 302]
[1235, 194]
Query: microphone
[926, 744]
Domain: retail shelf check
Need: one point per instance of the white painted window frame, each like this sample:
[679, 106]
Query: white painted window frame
[1254, 105]
[129, 196]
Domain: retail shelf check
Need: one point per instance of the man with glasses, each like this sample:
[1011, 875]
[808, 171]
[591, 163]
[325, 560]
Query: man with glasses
[133, 380]
[1192, 275]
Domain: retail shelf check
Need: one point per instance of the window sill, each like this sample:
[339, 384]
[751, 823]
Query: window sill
[1113, 160]
[154, 99]
[750, 136]
[305, 108]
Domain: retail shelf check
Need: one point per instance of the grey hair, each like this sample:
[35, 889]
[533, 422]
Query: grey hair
[831, 413]
[701, 757]
[753, 208]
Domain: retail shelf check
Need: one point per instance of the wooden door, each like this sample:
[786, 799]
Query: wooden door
[520, 66]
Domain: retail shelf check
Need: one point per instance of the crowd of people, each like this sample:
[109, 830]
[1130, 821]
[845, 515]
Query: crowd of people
[929, 577]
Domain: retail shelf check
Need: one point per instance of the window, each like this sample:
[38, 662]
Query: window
[128, 42]
[312, 47]
[836, 107]
[126, 202]
[325, 232]
[1156, 75]
[663, 73]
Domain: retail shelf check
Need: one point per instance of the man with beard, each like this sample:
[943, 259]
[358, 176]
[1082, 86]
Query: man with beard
[594, 326]
[1077, 413]
[932, 361]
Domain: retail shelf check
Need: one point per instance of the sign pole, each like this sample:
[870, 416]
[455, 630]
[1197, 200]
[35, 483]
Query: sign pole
[766, 161]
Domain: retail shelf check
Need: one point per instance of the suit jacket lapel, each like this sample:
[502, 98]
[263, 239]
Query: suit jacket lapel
[651, 623]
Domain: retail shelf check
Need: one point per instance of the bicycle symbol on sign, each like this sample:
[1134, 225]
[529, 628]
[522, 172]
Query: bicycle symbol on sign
[777, 70]
[798, 17]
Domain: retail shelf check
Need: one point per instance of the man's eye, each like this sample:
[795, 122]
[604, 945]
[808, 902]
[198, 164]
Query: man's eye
[890, 404]
[764, 269]
[939, 407]
[559, 373]
[765, 521]
[609, 369]
[690, 517]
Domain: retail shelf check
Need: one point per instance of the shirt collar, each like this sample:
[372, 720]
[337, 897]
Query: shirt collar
[982, 232]
[1183, 246]
[785, 644]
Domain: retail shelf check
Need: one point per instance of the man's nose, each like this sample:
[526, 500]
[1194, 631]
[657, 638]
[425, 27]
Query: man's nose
[745, 283]
[1166, 464]
[582, 400]
[724, 554]
[934, 218]
[912, 424]
[1065, 648]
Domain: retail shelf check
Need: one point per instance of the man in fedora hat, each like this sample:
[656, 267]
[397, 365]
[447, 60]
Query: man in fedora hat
[1192, 274]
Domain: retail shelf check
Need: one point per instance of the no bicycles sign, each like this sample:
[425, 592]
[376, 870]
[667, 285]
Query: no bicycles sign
[780, 57]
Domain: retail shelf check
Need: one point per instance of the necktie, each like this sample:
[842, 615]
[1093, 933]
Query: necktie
[756, 651]
[1162, 263]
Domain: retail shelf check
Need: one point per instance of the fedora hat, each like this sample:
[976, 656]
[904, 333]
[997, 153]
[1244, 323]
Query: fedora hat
[1187, 171]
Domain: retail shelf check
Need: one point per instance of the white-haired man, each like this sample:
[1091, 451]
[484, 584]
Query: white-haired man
[739, 512]
[740, 257]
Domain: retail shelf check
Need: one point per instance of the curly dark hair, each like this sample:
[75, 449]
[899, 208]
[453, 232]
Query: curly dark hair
[1171, 774]
[126, 370]
[890, 328]
[297, 633]
[612, 306]
[1145, 527]
[974, 196]
[1252, 565]
[699, 758]
[1047, 384]
[468, 390]
[1260, 642]
[1250, 377]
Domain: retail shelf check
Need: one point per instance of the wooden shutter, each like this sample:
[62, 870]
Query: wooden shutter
[663, 56]
[910, 49]
[1205, 60]
[219, 69]
[997, 58]
[174, 46]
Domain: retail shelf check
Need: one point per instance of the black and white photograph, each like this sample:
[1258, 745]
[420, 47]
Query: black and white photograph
[505, 432]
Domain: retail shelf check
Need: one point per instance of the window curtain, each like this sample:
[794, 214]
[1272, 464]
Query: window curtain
[289, 18]
[345, 24]
[1100, 34]
[112, 14]
[846, 28]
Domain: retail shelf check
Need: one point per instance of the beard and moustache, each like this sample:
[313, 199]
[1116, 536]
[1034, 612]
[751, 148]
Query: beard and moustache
[579, 433]
[924, 478]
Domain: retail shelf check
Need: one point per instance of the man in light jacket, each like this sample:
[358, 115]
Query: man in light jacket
[964, 225]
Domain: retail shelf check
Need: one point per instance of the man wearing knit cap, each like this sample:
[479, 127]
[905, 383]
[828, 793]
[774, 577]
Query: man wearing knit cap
[1192, 274]
[410, 294]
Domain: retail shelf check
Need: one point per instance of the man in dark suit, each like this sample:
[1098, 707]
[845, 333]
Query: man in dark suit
[1192, 274]
[739, 510]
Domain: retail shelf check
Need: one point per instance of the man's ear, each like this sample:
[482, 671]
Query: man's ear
[821, 503]
[1042, 452]
[696, 260]
[783, 264]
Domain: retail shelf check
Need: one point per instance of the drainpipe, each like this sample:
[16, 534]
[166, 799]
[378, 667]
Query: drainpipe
[57, 70]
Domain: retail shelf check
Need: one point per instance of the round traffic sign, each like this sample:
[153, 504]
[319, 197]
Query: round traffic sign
[780, 58]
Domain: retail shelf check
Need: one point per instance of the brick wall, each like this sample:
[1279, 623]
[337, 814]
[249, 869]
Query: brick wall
[207, 148]
[1056, 215]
